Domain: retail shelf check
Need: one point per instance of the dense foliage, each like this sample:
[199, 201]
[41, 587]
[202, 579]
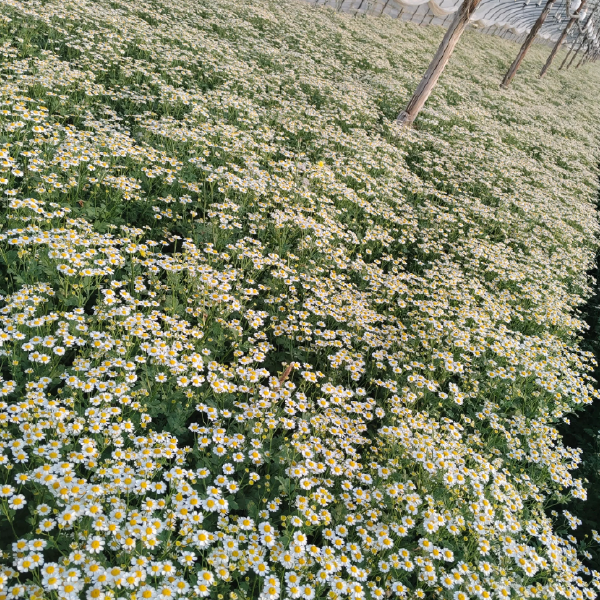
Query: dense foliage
[583, 429]
[256, 341]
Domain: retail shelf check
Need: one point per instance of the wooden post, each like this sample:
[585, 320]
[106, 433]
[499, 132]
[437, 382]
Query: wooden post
[568, 54]
[561, 39]
[584, 56]
[576, 53]
[441, 58]
[581, 30]
[526, 44]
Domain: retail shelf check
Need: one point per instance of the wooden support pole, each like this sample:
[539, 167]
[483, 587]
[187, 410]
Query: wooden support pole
[566, 57]
[384, 7]
[441, 58]
[576, 53]
[561, 39]
[526, 45]
[584, 55]
[588, 56]
[574, 56]
[581, 30]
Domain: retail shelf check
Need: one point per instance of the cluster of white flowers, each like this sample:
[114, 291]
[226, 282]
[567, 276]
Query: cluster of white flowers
[254, 341]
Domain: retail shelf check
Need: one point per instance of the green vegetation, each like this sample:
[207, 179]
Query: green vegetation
[259, 343]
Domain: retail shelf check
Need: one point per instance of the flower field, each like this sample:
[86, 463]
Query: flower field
[256, 341]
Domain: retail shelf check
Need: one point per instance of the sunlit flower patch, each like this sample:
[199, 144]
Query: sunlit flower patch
[258, 343]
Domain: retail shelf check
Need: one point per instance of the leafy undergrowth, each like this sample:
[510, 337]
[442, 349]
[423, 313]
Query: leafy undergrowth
[257, 342]
[583, 429]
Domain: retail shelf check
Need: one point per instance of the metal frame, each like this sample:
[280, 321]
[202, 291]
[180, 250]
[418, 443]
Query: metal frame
[503, 15]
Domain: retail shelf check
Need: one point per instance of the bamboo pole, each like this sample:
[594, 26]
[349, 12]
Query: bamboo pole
[440, 59]
[526, 45]
[561, 39]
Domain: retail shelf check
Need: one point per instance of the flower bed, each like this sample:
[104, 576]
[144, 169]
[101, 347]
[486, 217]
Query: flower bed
[256, 342]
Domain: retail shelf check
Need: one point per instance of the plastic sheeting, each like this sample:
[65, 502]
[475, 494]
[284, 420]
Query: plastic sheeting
[438, 11]
[506, 18]
[433, 6]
